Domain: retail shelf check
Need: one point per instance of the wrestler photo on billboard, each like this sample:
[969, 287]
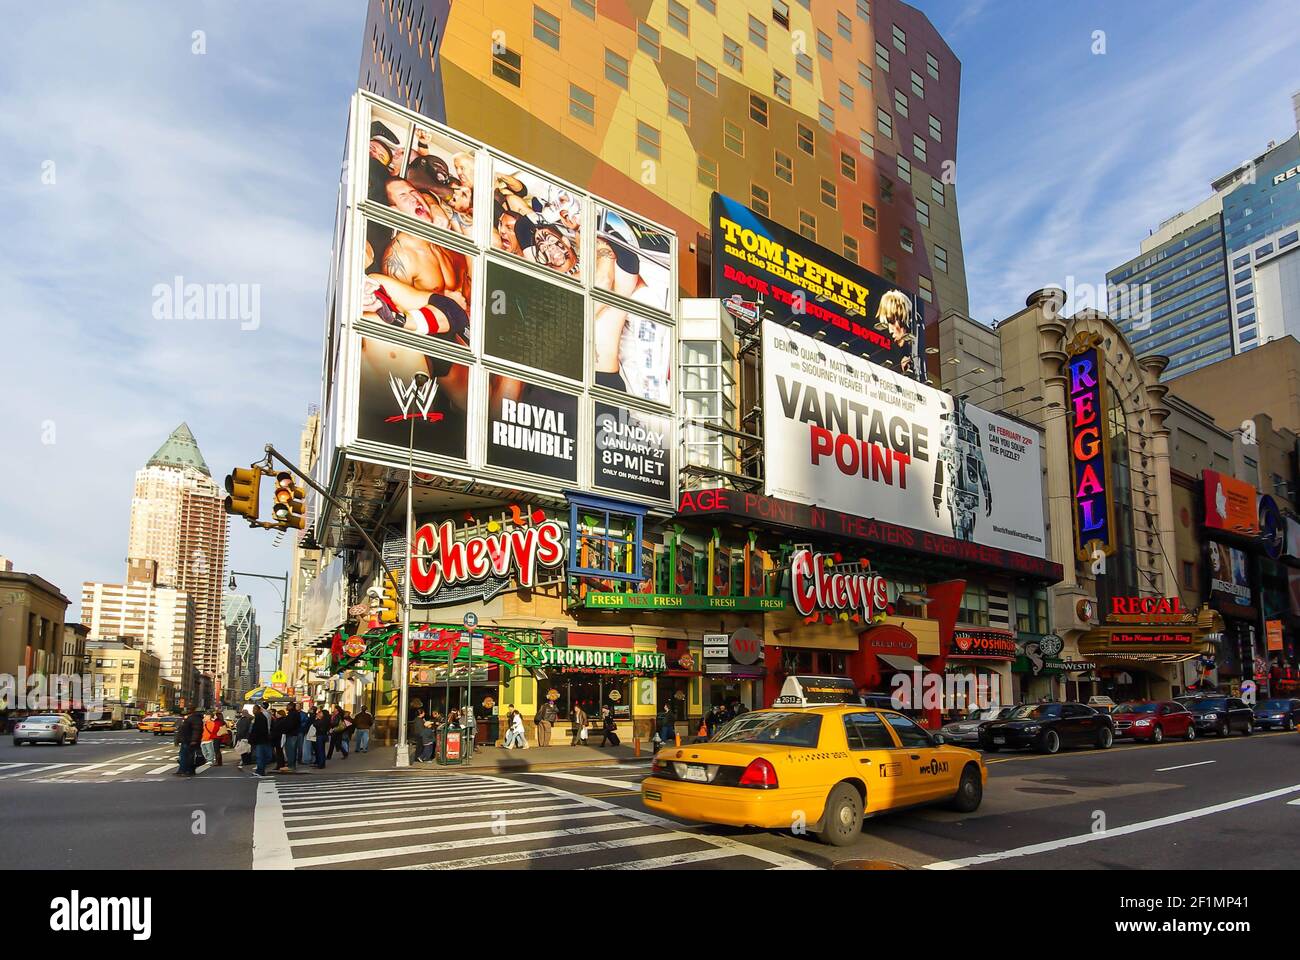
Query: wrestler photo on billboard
[417, 285]
[632, 354]
[428, 175]
[401, 389]
[389, 134]
[632, 259]
[537, 220]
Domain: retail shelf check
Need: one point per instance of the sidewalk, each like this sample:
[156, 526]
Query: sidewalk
[485, 760]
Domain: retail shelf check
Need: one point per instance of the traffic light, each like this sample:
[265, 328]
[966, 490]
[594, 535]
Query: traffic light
[242, 485]
[289, 504]
[388, 602]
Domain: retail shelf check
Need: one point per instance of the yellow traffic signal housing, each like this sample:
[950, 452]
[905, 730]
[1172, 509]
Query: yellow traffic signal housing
[242, 486]
[388, 602]
[290, 502]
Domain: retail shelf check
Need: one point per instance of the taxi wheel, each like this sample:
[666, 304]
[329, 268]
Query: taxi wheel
[842, 821]
[969, 792]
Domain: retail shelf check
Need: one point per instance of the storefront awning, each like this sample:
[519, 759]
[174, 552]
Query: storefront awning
[899, 662]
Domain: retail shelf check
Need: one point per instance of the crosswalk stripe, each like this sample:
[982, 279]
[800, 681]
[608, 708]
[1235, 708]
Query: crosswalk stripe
[493, 802]
[672, 860]
[163, 769]
[495, 859]
[322, 788]
[598, 781]
[433, 816]
[445, 828]
[41, 769]
[416, 803]
[298, 806]
[126, 769]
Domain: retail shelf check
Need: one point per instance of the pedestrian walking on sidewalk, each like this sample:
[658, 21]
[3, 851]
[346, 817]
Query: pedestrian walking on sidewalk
[305, 718]
[363, 721]
[579, 725]
[213, 728]
[425, 736]
[321, 727]
[336, 731]
[545, 720]
[667, 725]
[241, 736]
[515, 736]
[189, 736]
[259, 736]
[289, 726]
[608, 728]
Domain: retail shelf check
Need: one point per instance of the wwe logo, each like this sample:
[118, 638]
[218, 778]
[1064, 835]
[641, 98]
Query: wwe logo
[420, 392]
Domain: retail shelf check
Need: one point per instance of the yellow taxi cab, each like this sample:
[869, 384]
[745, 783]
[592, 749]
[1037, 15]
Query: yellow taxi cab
[149, 724]
[817, 759]
[166, 725]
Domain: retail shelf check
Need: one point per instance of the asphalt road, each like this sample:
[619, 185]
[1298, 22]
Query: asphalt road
[1187, 806]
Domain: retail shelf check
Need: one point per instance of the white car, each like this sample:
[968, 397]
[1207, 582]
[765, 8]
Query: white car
[48, 727]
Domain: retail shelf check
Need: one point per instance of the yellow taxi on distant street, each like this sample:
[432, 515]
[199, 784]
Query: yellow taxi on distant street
[816, 760]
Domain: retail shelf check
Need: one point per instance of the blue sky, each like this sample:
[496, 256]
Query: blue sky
[221, 168]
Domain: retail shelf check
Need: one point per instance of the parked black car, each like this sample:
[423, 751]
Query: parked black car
[1283, 714]
[1047, 727]
[1222, 716]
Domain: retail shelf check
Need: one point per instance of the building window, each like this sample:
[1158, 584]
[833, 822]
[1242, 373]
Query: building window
[941, 258]
[869, 216]
[710, 6]
[904, 169]
[784, 167]
[866, 143]
[848, 166]
[647, 140]
[706, 76]
[829, 193]
[1189, 575]
[781, 85]
[546, 27]
[900, 39]
[846, 94]
[864, 10]
[864, 75]
[826, 114]
[733, 53]
[582, 105]
[851, 247]
[507, 65]
[807, 226]
[758, 109]
[758, 33]
[733, 137]
[679, 18]
[905, 239]
[932, 65]
[679, 106]
[936, 129]
[886, 189]
[616, 69]
[781, 13]
[647, 39]
[974, 602]
[900, 103]
[922, 212]
[824, 46]
[884, 123]
[585, 7]
[918, 147]
[760, 199]
[924, 289]
[803, 65]
[706, 171]
[606, 540]
[882, 56]
[805, 137]
[936, 192]
[918, 85]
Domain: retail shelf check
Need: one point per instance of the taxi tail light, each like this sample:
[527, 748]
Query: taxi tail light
[759, 774]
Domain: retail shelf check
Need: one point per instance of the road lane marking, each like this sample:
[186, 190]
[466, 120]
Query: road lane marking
[270, 839]
[291, 816]
[459, 815]
[598, 781]
[1184, 766]
[495, 859]
[163, 769]
[417, 802]
[672, 860]
[487, 824]
[1051, 845]
[41, 769]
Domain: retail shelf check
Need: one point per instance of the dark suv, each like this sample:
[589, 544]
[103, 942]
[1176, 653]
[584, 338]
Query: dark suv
[1222, 716]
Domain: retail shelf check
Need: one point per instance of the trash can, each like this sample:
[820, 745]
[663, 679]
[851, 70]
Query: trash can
[451, 745]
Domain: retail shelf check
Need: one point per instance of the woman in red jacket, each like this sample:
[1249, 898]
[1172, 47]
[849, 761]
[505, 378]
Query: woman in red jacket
[213, 729]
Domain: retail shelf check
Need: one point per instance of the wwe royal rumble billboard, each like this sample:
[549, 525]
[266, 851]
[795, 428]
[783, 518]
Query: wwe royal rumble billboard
[844, 434]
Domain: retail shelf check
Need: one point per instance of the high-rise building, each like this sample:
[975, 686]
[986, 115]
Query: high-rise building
[161, 618]
[178, 521]
[243, 637]
[836, 119]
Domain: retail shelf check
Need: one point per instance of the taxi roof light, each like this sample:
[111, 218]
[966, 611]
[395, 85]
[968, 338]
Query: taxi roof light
[760, 773]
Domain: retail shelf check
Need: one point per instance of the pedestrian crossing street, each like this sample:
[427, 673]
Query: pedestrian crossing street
[149, 765]
[461, 822]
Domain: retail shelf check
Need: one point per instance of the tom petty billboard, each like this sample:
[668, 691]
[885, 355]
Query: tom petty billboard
[844, 434]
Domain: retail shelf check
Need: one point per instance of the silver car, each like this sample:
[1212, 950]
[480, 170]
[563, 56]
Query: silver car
[48, 727]
[968, 731]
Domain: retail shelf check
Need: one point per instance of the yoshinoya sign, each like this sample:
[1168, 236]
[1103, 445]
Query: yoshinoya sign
[1089, 447]
[849, 435]
[817, 585]
[444, 563]
[983, 644]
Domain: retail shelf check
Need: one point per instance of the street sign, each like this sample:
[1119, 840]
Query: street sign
[471, 620]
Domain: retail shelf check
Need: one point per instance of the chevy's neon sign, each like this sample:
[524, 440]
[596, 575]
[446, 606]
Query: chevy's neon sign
[817, 586]
[438, 558]
[1089, 449]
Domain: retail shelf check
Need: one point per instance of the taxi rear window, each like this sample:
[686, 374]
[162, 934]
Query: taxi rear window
[777, 727]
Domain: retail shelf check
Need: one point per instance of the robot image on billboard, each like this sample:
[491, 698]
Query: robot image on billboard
[961, 476]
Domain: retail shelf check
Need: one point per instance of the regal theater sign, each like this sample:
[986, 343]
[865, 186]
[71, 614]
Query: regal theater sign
[1089, 447]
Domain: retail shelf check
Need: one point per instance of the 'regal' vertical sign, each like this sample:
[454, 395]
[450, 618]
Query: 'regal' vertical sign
[1089, 447]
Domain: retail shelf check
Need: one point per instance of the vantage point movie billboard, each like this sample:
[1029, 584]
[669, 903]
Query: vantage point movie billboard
[844, 434]
[762, 271]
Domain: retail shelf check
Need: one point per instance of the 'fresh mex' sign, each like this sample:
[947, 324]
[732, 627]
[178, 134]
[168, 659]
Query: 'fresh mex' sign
[1089, 447]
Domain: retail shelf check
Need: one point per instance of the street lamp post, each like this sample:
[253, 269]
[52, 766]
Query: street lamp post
[284, 606]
